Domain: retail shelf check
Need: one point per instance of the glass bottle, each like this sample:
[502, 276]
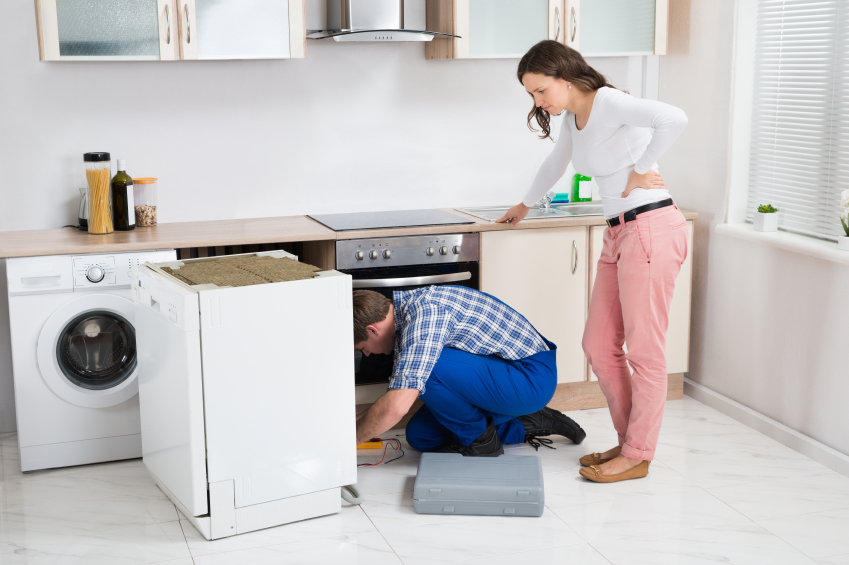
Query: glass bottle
[123, 209]
[582, 188]
[97, 171]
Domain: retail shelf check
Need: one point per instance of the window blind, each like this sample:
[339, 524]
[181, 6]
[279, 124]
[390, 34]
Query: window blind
[799, 158]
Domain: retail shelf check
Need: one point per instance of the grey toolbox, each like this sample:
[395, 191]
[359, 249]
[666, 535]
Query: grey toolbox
[507, 485]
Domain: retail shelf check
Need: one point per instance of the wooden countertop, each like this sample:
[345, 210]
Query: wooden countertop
[68, 241]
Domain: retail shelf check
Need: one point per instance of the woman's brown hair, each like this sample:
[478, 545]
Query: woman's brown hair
[552, 59]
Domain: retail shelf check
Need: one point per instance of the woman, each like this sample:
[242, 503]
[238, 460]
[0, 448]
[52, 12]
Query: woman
[606, 135]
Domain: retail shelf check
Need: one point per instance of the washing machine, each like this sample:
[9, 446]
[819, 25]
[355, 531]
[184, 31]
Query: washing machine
[74, 357]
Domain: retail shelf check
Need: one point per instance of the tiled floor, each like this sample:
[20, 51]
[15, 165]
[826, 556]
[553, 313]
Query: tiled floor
[718, 492]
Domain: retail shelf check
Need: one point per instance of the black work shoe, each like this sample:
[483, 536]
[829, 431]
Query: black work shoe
[486, 445]
[547, 422]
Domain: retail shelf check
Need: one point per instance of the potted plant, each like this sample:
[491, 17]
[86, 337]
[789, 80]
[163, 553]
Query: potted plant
[766, 218]
[843, 240]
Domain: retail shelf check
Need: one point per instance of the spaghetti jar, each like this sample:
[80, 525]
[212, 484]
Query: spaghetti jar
[145, 196]
[98, 174]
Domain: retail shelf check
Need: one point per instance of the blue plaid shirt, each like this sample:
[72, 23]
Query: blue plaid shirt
[433, 317]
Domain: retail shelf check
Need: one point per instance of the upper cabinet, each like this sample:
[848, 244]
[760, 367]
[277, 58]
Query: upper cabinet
[612, 28]
[495, 28]
[167, 30]
[508, 28]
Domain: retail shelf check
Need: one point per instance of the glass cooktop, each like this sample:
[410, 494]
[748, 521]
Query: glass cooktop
[393, 219]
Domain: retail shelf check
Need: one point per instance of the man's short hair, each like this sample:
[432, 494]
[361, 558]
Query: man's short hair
[370, 307]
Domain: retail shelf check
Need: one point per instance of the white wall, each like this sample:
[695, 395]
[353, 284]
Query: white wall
[353, 127]
[769, 327]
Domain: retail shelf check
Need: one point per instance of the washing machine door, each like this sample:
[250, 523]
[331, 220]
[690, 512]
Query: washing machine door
[87, 351]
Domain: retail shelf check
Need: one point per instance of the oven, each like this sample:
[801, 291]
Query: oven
[405, 263]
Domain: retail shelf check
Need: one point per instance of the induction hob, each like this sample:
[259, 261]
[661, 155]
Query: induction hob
[393, 219]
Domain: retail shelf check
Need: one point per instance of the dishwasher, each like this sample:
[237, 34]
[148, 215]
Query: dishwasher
[246, 388]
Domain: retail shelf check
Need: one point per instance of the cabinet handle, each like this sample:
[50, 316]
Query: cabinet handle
[556, 23]
[168, 23]
[574, 24]
[574, 256]
[188, 25]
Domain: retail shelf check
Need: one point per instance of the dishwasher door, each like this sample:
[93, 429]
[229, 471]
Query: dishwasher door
[171, 387]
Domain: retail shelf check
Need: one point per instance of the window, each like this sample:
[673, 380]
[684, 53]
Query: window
[799, 158]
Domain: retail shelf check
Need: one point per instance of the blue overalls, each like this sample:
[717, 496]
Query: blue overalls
[464, 389]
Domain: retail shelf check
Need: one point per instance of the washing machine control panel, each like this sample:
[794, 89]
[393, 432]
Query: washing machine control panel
[98, 271]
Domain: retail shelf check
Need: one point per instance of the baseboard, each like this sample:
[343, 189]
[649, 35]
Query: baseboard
[805, 445]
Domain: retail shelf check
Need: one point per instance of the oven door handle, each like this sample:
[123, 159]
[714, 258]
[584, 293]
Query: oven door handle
[412, 281]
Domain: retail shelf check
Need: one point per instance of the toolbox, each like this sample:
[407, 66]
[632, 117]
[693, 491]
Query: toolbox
[507, 485]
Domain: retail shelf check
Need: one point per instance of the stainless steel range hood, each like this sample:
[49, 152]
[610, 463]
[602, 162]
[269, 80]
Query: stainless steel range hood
[370, 20]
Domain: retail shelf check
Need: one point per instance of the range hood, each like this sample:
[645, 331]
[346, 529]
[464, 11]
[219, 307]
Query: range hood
[370, 20]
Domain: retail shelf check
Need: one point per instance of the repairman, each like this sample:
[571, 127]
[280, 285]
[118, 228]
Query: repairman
[482, 371]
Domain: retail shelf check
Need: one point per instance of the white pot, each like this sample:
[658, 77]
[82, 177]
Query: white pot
[766, 222]
[843, 242]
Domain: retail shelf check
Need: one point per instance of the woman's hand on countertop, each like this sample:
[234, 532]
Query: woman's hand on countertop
[514, 215]
[650, 180]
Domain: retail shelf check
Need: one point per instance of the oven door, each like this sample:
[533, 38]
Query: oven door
[377, 368]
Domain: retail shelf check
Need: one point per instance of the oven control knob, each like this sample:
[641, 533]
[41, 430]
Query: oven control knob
[359, 255]
[373, 254]
[430, 251]
[95, 274]
[443, 250]
[457, 249]
[387, 253]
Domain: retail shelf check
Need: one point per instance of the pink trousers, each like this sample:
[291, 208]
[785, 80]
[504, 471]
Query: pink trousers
[630, 302]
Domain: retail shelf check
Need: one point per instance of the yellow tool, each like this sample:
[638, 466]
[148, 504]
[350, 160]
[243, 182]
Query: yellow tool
[373, 443]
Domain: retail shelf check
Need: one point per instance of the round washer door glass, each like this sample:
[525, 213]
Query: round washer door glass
[97, 350]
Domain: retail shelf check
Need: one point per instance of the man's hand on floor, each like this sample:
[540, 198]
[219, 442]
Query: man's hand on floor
[385, 413]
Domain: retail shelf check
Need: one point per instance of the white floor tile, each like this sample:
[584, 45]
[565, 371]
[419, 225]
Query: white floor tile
[582, 554]
[712, 470]
[477, 537]
[787, 497]
[351, 520]
[398, 476]
[125, 546]
[735, 544]
[819, 534]
[648, 514]
[395, 510]
[39, 523]
[834, 560]
[356, 549]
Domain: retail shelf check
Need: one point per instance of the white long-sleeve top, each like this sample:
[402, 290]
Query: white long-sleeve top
[616, 140]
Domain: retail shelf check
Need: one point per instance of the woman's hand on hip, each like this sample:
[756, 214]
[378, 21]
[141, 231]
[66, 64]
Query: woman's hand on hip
[650, 180]
[514, 215]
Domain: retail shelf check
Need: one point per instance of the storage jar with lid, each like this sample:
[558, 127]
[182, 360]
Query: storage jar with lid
[98, 175]
[145, 196]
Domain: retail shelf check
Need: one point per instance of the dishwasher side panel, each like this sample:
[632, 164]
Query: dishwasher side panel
[279, 387]
[171, 387]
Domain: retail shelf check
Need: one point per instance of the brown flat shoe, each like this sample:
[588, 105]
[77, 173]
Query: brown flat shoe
[597, 459]
[594, 473]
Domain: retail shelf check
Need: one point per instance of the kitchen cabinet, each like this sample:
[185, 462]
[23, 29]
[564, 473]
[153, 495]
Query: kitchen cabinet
[167, 30]
[508, 28]
[613, 28]
[678, 334]
[542, 273]
[495, 28]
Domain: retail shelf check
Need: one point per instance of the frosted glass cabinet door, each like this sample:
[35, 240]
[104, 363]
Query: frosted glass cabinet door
[235, 29]
[128, 30]
[506, 28]
[623, 27]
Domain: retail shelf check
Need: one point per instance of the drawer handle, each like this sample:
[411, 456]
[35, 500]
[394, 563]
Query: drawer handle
[574, 24]
[168, 23]
[556, 23]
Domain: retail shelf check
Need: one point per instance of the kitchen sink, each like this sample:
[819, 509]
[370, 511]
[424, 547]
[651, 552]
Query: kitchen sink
[492, 213]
